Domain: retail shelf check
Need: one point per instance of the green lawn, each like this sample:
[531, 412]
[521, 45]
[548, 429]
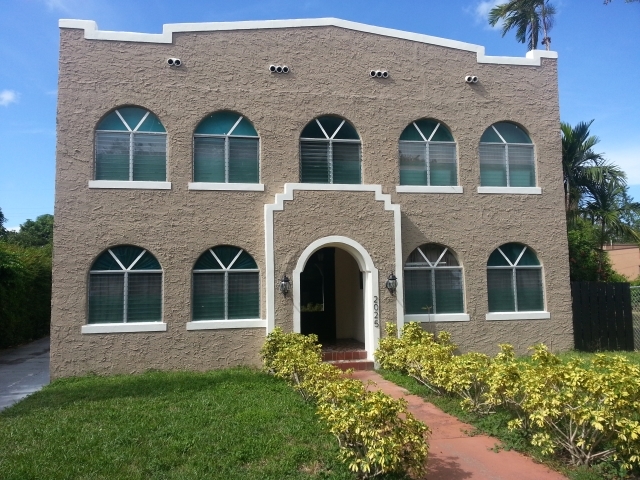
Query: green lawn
[228, 424]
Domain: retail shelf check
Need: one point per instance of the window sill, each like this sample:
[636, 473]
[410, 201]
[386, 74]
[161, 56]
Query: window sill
[428, 189]
[240, 187]
[219, 324]
[518, 316]
[511, 190]
[132, 184]
[124, 327]
[438, 317]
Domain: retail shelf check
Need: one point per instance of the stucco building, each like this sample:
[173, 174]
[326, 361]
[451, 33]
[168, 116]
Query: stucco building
[198, 167]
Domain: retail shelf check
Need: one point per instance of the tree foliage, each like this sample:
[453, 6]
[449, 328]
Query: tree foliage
[33, 233]
[529, 19]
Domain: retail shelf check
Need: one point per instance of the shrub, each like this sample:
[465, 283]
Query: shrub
[375, 432]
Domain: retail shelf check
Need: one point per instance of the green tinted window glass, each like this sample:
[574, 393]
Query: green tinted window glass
[529, 288]
[443, 164]
[347, 132]
[413, 163]
[145, 297]
[500, 290]
[512, 251]
[132, 115]
[147, 262]
[208, 159]
[426, 126]
[226, 253]
[149, 157]
[346, 163]
[243, 160]
[151, 124]
[245, 128]
[528, 258]
[418, 297]
[112, 156]
[220, 123]
[443, 134]
[314, 162]
[312, 130]
[207, 262]
[331, 124]
[244, 261]
[126, 254]
[112, 122]
[411, 134]
[512, 133]
[449, 295]
[208, 296]
[243, 295]
[521, 166]
[490, 136]
[493, 168]
[106, 298]
[497, 260]
[105, 262]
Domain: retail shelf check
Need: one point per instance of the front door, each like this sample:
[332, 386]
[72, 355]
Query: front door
[318, 296]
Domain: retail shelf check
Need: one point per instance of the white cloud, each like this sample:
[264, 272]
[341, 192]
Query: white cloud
[481, 13]
[58, 5]
[7, 97]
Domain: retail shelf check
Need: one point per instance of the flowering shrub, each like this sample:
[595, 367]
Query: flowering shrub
[375, 432]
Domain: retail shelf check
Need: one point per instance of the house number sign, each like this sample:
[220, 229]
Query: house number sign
[376, 312]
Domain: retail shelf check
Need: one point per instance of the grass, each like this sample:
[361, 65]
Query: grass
[228, 424]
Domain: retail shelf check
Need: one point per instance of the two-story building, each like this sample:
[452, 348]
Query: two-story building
[204, 171]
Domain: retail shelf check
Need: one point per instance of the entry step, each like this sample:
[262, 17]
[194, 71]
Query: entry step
[362, 364]
[332, 355]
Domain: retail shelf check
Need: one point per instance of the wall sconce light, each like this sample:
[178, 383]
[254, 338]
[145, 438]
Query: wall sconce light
[285, 285]
[392, 284]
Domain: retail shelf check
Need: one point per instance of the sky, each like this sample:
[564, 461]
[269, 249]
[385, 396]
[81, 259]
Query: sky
[597, 44]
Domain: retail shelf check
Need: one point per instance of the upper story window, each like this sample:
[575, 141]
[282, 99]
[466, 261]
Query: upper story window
[226, 149]
[131, 145]
[427, 154]
[433, 281]
[506, 157]
[514, 280]
[330, 152]
[125, 285]
[226, 285]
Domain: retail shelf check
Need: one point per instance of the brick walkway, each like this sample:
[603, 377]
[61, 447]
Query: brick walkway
[456, 456]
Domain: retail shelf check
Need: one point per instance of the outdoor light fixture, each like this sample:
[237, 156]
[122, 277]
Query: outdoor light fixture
[285, 285]
[392, 283]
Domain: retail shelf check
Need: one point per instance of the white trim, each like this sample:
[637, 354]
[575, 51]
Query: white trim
[428, 189]
[219, 324]
[238, 187]
[278, 205]
[518, 316]
[437, 317]
[91, 32]
[129, 184]
[131, 327]
[511, 190]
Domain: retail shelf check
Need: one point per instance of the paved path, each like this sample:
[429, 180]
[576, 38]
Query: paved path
[456, 456]
[23, 370]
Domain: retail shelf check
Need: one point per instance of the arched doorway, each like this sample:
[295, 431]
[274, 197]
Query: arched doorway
[335, 293]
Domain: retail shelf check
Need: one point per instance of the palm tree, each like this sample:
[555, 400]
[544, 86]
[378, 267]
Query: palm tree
[581, 166]
[528, 17]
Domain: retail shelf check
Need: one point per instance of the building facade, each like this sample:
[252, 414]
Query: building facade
[198, 167]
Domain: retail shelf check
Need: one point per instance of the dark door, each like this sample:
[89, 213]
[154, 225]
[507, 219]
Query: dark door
[318, 296]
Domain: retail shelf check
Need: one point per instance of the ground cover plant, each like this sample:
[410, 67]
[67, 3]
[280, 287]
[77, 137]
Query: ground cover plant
[227, 424]
[376, 433]
[578, 409]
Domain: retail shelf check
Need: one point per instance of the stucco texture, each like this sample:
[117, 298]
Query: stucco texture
[228, 70]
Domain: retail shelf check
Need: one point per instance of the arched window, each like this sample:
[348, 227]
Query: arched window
[226, 285]
[506, 157]
[514, 280]
[427, 154]
[125, 285]
[330, 152]
[226, 149]
[131, 144]
[433, 281]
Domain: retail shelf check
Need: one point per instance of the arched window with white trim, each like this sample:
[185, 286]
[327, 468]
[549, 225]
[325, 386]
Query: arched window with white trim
[226, 285]
[433, 282]
[226, 149]
[506, 157]
[125, 286]
[428, 154]
[514, 280]
[131, 145]
[330, 152]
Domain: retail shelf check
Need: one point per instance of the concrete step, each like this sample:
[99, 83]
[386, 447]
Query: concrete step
[361, 364]
[331, 355]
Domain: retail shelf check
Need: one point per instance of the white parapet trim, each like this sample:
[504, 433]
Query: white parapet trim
[518, 316]
[218, 324]
[511, 190]
[438, 317]
[132, 327]
[91, 32]
[236, 187]
[428, 189]
[129, 184]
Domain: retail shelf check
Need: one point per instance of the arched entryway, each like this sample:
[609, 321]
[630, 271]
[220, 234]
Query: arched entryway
[335, 292]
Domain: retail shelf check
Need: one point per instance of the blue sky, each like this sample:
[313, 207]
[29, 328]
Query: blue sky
[598, 47]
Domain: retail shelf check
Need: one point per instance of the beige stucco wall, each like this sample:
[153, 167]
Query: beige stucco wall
[329, 75]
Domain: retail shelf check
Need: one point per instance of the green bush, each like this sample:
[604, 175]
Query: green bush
[375, 432]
